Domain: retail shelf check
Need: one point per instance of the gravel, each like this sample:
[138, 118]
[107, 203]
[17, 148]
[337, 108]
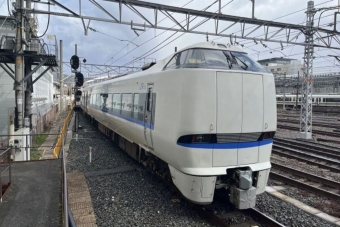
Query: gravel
[134, 198]
[287, 213]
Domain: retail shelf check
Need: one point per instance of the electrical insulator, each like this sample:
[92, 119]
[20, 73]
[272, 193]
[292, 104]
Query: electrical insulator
[79, 79]
[74, 62]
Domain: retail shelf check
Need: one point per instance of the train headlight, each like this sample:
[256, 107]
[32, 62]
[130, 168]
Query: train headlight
[199, 138]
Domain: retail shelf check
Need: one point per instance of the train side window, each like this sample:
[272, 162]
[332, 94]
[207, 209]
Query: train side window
[98, 100]
[135, 106]
[109, 102]
[116, 102]
[127, 104]
[149, 104]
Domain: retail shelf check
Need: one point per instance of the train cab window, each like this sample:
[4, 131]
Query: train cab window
[178, 60]
[116, 102]
[127, 104]
[214, 59]
[149, 104]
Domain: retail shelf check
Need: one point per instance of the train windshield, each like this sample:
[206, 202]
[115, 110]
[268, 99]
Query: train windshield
[214, 59]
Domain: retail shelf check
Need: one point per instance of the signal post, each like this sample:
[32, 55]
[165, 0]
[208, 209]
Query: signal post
[79, 81]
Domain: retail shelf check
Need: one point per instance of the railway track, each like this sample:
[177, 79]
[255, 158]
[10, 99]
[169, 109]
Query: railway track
[315, 123]
[306, 181]
[322, 153]
[325, 157]
[256, 217]
[319, 132]
[314, 160]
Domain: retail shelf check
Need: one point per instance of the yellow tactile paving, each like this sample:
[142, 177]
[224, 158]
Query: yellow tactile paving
[79, 200]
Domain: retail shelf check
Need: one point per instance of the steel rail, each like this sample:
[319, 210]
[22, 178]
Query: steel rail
[323, 166]
[263, 218]
[305, 152]
[310, 143]
[304, 146]
[317, 150]
[328, 141]
[319, 132]
[304, 186]
[315, 123]
[308, 176]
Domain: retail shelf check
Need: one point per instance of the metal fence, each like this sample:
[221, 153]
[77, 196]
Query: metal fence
[5, 171]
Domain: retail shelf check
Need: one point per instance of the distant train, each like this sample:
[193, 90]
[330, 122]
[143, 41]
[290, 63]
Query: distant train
[204, 117]
[331, 100]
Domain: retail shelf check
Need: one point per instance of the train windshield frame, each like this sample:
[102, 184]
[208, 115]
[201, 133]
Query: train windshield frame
[214, 59]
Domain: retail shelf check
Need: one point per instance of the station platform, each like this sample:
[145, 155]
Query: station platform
[34, 198]
[35, 195]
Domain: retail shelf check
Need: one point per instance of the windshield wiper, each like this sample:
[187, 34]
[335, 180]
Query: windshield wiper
[245, 67]
[230, 64]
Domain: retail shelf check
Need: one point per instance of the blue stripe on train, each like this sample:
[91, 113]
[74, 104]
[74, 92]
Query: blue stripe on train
[226, 145]
[131, 119]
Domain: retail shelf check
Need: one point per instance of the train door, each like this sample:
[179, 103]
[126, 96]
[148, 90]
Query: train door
[149, 112]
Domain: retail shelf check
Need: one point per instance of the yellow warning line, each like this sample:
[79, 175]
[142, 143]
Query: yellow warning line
[57, 148]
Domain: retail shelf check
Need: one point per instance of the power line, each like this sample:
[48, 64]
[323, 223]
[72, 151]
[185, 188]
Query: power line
[173, 34]
[281, 17]
[145, 32]
[166, 31]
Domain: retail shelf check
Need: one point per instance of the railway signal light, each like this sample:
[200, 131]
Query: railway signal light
[74, 62]
[78, 93]
[79, 79]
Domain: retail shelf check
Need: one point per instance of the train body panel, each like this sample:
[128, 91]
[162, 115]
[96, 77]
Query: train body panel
[210, 125]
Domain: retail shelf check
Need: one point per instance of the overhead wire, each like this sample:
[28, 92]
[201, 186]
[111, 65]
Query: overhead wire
[280, 17]
[143, 56]
[48, 22]
[164, 32]
[145, 32]
[292, 45]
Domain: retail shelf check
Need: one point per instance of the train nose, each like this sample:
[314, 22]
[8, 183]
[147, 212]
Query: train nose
[242, 115]
[240, 106]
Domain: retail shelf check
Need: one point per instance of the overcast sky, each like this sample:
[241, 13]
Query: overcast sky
[100, 48]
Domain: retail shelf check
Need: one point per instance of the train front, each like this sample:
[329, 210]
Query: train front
[232, 125]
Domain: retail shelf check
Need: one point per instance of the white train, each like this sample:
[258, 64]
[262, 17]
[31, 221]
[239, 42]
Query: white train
[322, 100]
[206, 113]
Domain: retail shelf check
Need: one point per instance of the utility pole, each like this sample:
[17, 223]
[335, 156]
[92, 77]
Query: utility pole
[61, 75]
[253, 9]
[297, 90]
[19, 64]
[28, 69]
[284, 91]
[306, 101]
